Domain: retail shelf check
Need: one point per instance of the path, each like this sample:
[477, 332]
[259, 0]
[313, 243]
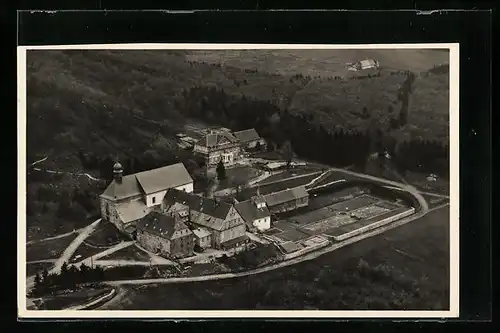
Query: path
[409, 188]
[69, 173]
[53, 237]
[113, 249]
[68, 252]
[41, 261]
[305, 257]
[260, 178]
[120, 262]
[40, 161]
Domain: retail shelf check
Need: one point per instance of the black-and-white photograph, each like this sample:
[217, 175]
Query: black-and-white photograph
[262, 177]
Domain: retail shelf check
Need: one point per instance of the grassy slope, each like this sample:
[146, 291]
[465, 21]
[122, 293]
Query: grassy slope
[418, 278]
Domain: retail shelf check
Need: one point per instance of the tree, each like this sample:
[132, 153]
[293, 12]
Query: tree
[288, 152]
[38, 280]
[365, 112]
[221, 170]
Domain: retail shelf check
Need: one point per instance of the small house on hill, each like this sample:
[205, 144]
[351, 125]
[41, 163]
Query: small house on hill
[165, 236]
[250, 139]
[363, 65]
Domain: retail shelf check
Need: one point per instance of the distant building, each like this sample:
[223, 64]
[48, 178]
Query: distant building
[255, 213]
[363, 65]
[287, 200]
[250, 139]
[217, 146]
[165, 236]
[129, 198]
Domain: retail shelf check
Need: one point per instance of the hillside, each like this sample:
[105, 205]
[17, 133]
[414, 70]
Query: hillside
[86, 108]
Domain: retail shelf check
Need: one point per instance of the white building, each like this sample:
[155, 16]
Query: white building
[255, 213]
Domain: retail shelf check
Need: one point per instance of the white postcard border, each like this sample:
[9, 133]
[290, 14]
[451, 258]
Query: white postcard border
[23, 313]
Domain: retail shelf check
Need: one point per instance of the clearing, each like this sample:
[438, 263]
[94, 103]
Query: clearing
[50, 249]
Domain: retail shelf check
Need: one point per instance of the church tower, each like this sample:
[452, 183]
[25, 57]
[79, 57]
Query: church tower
[118, 172]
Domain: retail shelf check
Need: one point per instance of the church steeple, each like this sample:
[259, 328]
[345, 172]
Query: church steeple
[118, 172]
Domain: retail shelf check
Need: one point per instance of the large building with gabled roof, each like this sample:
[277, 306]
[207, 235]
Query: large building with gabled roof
[221, 219]
[131, 197]
[250, 139]
[218, 146]
[165, 235]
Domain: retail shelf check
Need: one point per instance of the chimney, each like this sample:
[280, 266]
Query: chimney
[118, 172]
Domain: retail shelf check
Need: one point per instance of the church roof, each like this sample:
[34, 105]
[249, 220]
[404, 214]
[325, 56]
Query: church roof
[132, 211]
[148, 182]
[160, 179]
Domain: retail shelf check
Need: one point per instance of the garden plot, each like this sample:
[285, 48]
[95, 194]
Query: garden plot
[369, 211]
[341, 219]
[330, 223]
[333, 210]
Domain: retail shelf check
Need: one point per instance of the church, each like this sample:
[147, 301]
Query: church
[130, 198]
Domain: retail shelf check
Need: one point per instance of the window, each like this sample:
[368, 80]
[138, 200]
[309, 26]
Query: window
[154, 199]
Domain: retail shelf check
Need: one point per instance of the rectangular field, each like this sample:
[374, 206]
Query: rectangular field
[332, 210]
[359, 224]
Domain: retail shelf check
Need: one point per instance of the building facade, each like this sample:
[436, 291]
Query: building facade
[255, 213]
[287, 200]
[203, 238]
[130, 198]
[219, 218]
[165, 236]
[216, 147]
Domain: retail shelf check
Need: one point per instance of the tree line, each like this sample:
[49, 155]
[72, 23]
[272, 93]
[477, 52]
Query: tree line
[311, 140]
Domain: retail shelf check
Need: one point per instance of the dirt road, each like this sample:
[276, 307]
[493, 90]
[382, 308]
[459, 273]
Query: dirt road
[68, 252]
